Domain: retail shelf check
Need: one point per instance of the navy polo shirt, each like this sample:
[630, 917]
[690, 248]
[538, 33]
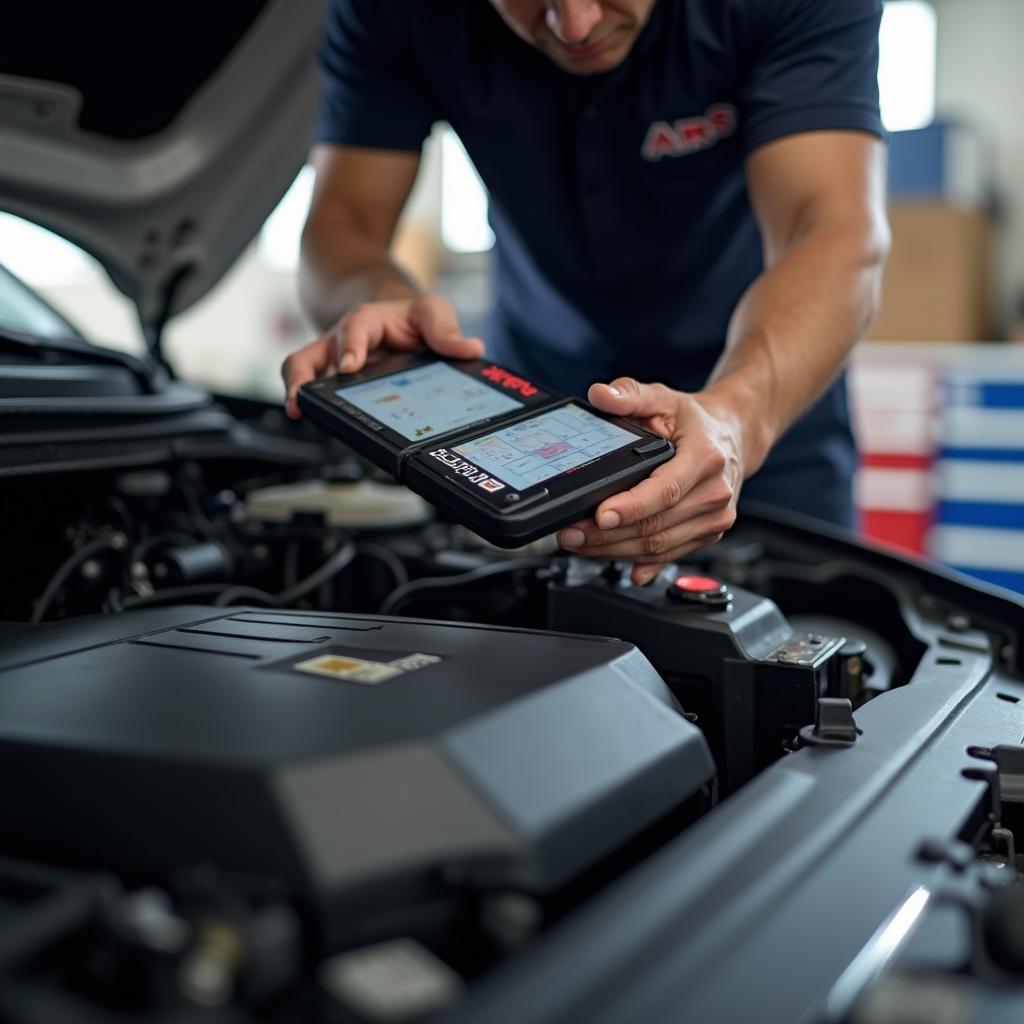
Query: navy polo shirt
[624, 233]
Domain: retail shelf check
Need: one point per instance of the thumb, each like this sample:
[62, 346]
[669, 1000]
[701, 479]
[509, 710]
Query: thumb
[628, 397]
[437, 321]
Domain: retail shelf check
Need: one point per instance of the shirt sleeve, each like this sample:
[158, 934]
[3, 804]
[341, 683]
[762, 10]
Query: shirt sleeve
[372, 90]
[813, 66]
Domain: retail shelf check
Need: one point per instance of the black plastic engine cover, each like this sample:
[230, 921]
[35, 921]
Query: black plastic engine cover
[152, 740]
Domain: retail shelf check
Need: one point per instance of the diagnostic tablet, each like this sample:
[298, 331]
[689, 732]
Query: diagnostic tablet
[498, 453]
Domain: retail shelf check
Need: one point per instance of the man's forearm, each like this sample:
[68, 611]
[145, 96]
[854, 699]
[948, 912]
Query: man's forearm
[794, 328]
[340, 269]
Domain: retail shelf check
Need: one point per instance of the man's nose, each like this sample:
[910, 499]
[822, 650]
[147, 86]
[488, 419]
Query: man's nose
[573, 20]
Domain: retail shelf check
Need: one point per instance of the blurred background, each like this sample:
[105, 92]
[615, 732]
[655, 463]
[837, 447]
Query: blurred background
[938, 388]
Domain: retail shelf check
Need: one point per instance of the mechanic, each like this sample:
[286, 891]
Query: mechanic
[688, 193]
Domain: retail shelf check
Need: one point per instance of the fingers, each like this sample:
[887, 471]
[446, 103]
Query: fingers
[317, 359]
[706, 498]
[371, 325]
[643, 574]
[659, 407]
[438, 324]
[628, 397]
[662, 490]
[357, 335]
[663, 545]
[685, 504]
[401, 324]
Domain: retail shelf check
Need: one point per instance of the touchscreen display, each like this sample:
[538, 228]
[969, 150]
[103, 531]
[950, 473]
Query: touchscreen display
[535, 450]
[428, 400]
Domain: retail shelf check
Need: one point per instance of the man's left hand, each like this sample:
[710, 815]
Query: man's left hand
[685, 504]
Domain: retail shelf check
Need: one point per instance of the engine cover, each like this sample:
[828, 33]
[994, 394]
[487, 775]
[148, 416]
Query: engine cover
[356, 759]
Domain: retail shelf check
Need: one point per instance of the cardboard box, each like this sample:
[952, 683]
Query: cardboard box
[938, 282]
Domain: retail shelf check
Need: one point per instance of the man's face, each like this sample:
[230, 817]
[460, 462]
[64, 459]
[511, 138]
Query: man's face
[583, 37]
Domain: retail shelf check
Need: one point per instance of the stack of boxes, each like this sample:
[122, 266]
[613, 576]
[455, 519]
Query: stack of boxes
[942, 454]
[979, 520]
[893, 401]
[941, 427]
[938, 282]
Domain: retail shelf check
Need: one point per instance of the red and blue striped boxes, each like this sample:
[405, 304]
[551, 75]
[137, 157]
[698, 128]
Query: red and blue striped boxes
[894, 403]
[979, 526]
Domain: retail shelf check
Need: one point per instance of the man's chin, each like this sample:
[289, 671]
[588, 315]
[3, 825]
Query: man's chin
[595, 66]
[590, 64]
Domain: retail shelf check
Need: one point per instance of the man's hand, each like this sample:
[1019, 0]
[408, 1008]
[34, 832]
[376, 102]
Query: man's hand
[685, 504]
[402, 325]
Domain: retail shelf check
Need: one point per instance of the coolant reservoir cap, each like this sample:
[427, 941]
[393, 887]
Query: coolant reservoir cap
[705, 590]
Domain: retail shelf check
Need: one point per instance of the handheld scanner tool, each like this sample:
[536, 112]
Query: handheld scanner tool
[499, 454]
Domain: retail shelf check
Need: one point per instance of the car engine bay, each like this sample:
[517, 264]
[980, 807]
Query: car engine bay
[280, 744]
[277, 744]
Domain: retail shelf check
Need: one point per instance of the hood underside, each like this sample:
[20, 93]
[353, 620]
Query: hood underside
[156, 138]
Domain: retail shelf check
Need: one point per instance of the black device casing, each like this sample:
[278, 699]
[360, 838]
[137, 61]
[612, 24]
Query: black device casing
[513, 519]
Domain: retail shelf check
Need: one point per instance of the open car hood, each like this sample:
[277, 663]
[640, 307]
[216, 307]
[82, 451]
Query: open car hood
[156, 138]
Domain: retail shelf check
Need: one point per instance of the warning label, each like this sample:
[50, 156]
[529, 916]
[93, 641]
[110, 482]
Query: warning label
[363, 670]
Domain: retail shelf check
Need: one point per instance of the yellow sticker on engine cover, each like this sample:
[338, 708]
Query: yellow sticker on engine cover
[355, 669]
[363, 670]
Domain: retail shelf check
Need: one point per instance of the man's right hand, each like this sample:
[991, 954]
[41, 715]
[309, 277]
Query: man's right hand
[402, 325]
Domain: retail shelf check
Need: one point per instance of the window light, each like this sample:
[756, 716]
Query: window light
[906, 71]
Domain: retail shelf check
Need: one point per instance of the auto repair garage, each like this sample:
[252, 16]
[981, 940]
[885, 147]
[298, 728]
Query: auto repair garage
[513, 511]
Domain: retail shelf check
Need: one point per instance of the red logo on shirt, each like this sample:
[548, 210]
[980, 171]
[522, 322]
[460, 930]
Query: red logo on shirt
[688, 135]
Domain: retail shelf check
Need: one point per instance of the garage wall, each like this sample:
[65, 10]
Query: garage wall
[980, 77]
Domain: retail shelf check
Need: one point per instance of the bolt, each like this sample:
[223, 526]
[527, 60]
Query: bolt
[207, 975]
[118, 541]
[91, 569]
[958, 623]
[139, 571]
